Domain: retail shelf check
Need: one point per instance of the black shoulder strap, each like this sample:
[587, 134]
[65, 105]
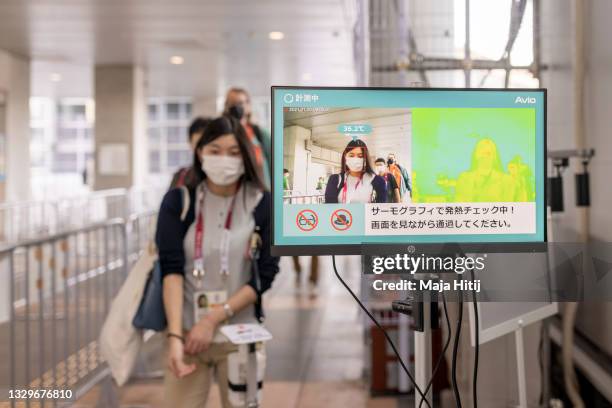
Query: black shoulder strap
[258, 215]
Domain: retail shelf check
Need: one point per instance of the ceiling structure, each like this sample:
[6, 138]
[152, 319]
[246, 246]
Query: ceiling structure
[391, 129]
[222, 43]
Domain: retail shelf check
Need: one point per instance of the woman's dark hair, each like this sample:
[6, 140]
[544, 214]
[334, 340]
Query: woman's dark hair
[357, 143]
[380, 160]
[216, 128]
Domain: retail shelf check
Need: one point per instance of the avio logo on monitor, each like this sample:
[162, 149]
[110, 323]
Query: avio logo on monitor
[525, 99]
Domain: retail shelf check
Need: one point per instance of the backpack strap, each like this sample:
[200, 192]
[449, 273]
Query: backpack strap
[255, 251]
[340, 181]
[186, 202]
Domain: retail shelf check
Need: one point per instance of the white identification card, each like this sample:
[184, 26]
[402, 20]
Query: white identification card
[206, 300]
[246, 333]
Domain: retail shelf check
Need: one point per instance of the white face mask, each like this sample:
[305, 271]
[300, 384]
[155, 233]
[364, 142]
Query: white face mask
[380, 169]
[354, 163]
[222, 170]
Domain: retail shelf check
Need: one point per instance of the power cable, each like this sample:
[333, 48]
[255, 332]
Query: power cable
[455, 351]
[476, 346]
[365, 309]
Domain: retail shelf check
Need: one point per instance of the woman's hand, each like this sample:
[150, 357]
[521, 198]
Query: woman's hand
[201, 334]
[176, 362]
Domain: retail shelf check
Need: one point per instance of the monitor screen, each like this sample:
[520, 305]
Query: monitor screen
[358, 166]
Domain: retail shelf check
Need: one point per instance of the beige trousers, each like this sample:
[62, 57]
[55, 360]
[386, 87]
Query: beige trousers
[192, 391]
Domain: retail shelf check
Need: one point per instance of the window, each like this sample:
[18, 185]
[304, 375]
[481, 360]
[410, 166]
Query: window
[153, 112]
[173, 111]
[154, 135]
[66, 134]
[73, 112]
[37, 135]
[178, 158]
[176, 135]
[65, 162]
[154, 162]
[169, 120]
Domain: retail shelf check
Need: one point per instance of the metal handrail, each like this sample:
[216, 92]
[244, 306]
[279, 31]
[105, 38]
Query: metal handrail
[20, 221]
[304, 199]
[60, 235]
[70, 279]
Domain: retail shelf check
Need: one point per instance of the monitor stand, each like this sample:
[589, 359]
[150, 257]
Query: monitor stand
[425, 318]
[520, 366]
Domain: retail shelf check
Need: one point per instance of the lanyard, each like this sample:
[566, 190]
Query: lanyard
[345, 187]
[198, 260]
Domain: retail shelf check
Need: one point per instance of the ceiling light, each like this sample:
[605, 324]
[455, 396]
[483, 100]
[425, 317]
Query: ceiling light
[276, 35]
[55, 77]
[177, 60]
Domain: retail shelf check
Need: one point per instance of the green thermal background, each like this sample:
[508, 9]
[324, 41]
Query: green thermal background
[446, 143]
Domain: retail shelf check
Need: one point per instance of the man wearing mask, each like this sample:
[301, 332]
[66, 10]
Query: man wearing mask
[238, 105]
[401, 176]
[393, 194]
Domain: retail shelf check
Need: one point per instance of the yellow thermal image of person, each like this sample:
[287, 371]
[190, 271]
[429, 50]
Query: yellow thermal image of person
[523, 179]
[486, 180]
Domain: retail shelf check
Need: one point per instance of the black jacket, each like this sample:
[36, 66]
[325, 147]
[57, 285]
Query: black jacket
[171, 233]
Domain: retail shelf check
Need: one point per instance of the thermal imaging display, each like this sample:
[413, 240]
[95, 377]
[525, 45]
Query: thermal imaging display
[353, 166]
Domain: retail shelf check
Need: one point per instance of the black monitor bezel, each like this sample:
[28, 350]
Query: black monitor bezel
[430, 248]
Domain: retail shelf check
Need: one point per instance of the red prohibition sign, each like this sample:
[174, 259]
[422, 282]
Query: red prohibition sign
[341, 219]
[307, 220]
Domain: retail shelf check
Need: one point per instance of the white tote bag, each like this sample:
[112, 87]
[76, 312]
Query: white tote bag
[120, 342]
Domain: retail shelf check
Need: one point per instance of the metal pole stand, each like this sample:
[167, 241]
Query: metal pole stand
[520, 366]
[252, 386]
[422, 354]
[425, 316]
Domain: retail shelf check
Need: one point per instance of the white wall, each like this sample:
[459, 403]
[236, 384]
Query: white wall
[598, 111]
[557, 46]
[296, 157]
[15, 82]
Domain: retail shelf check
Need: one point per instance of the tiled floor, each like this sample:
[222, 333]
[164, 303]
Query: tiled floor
[316, 357]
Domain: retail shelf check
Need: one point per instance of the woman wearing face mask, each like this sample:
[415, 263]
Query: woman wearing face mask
[205, 255]
[357, 182]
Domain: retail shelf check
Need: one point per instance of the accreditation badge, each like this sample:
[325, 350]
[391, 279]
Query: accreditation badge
[206, 300]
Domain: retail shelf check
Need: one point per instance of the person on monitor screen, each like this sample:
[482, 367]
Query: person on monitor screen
[485, 181]
[356, 182]
[393, 194]
[523, 179]
[401, 176]
[286, 185]
[210, 274]
[238, 105]
[196, 129]
[320, 184]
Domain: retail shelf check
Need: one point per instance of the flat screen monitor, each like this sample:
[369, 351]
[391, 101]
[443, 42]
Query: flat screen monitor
[353, 167]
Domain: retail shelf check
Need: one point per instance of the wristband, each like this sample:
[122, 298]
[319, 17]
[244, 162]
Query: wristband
[181, 338]
[229, 313]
